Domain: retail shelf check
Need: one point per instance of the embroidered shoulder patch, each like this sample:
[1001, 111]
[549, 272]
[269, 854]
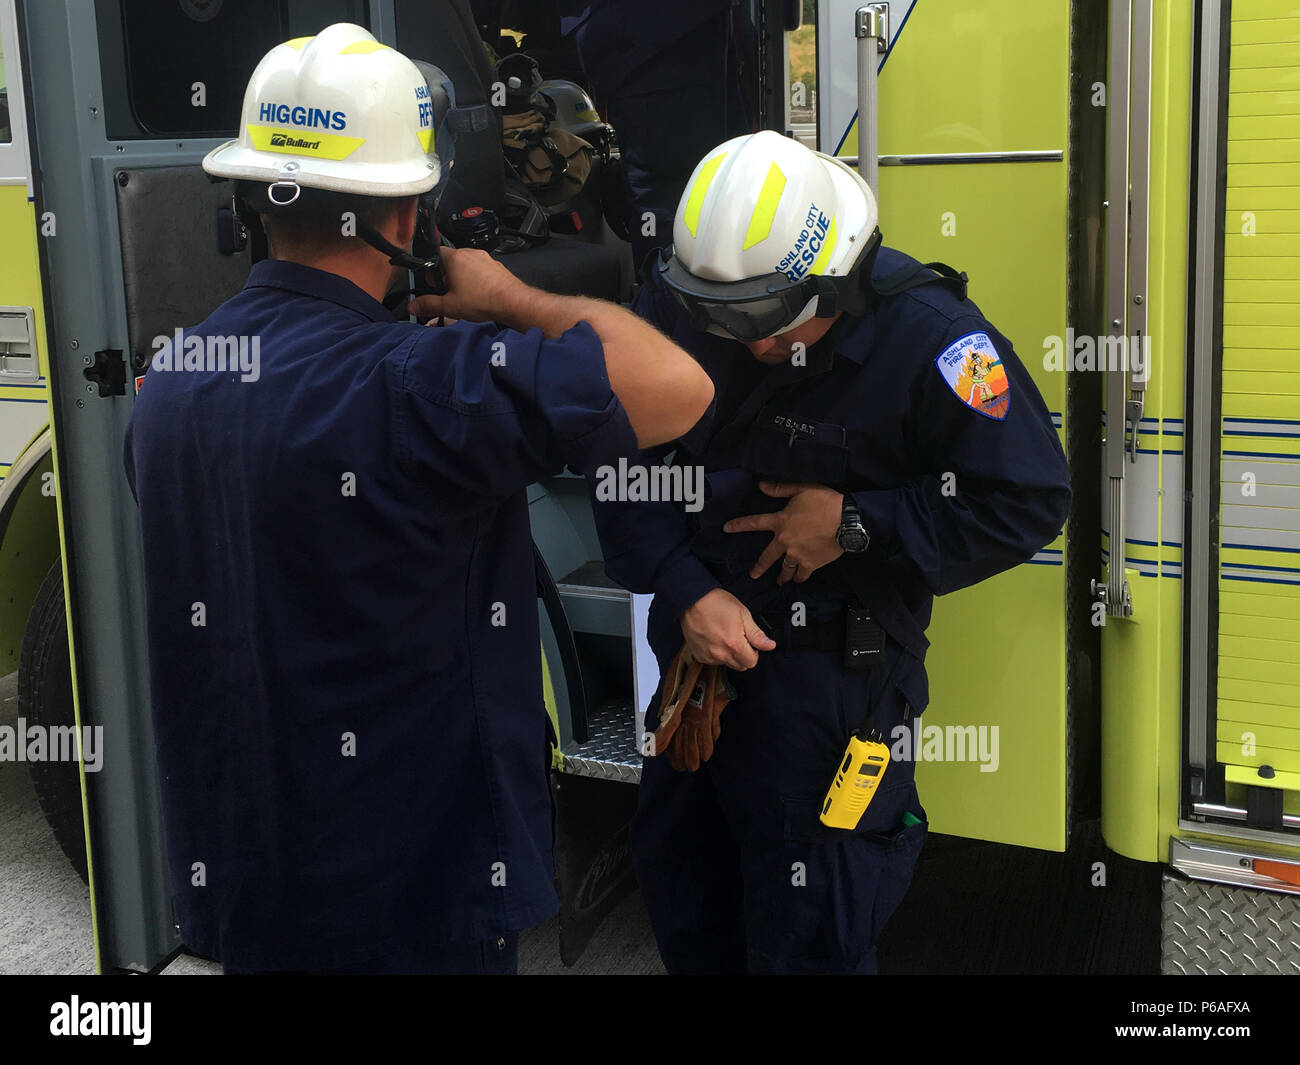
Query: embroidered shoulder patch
[975, 373]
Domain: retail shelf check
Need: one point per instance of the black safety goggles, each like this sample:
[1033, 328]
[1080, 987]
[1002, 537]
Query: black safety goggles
[759, 307]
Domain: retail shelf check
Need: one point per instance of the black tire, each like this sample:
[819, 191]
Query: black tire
[45, 699]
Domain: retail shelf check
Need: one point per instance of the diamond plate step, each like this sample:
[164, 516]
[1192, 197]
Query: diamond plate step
[1212, 928]
[610, 753]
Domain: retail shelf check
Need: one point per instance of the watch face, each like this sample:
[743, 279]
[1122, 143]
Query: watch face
[853, 539]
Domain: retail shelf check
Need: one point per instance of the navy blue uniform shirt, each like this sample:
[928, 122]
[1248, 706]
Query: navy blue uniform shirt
[920, 410]
[343, 640]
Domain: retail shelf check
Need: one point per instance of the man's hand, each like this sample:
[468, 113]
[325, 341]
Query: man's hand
[719, 630]
[479, 289]
[804, 532]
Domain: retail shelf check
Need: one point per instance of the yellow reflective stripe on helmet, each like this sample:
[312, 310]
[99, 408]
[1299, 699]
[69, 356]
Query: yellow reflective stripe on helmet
[695, 201]
[298, 42]
[296, 142]
[426, 140]
[760, 222]
[823, 256]
[362, 48]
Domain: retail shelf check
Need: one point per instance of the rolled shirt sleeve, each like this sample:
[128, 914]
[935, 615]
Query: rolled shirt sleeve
[488, 411]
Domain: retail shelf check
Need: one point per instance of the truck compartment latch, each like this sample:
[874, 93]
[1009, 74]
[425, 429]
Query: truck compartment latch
[1264, 805]
[108, 371]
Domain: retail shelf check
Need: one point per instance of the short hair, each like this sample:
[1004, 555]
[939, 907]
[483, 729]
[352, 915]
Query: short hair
[317, 223]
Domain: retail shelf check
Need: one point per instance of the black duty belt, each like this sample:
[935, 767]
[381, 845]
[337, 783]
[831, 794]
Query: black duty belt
[854, 632]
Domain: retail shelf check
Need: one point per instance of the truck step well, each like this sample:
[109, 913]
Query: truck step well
[611, 752]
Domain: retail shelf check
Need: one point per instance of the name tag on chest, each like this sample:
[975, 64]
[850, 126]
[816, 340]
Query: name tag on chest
[795, 428]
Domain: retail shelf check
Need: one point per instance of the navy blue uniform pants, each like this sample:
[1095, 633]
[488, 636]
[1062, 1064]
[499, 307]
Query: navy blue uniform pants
[737, 871]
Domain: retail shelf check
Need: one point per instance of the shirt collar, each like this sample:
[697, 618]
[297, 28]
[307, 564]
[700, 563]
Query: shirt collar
[316, 284]
[851, 337]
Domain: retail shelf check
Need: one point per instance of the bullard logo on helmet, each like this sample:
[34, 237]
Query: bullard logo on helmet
[283, 140]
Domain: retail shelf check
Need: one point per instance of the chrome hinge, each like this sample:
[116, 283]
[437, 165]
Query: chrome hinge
[872, 20]
[1124, 600]
[1138, 373]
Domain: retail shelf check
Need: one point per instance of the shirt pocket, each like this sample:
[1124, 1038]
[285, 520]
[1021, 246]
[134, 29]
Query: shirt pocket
[785, 447]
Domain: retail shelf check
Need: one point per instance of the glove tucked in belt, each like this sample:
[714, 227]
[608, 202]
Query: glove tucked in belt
[694, 696]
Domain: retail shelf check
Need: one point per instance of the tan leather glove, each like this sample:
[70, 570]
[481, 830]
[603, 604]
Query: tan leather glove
[680, 681]
[690, 714]
[692, 743]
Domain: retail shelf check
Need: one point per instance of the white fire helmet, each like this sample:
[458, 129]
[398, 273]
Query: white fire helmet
[339, 112]
[764, 204]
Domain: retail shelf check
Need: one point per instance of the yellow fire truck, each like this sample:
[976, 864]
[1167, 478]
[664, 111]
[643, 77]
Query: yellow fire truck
[1121, 182]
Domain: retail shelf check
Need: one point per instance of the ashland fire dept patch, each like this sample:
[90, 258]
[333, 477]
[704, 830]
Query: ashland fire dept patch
[974, 372]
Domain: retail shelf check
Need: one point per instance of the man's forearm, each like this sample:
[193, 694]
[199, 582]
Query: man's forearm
[532, 308]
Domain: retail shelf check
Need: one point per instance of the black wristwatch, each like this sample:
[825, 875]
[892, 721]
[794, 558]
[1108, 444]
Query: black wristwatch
[852, 535]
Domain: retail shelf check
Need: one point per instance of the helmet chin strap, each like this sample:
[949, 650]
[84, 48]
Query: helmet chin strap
[430, 266]
[429, 274]
[855, 297]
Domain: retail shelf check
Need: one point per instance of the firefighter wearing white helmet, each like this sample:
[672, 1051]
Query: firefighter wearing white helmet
[349, 741]
[769, 234]
[882, 446]
[338, 111]
[334, 123]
